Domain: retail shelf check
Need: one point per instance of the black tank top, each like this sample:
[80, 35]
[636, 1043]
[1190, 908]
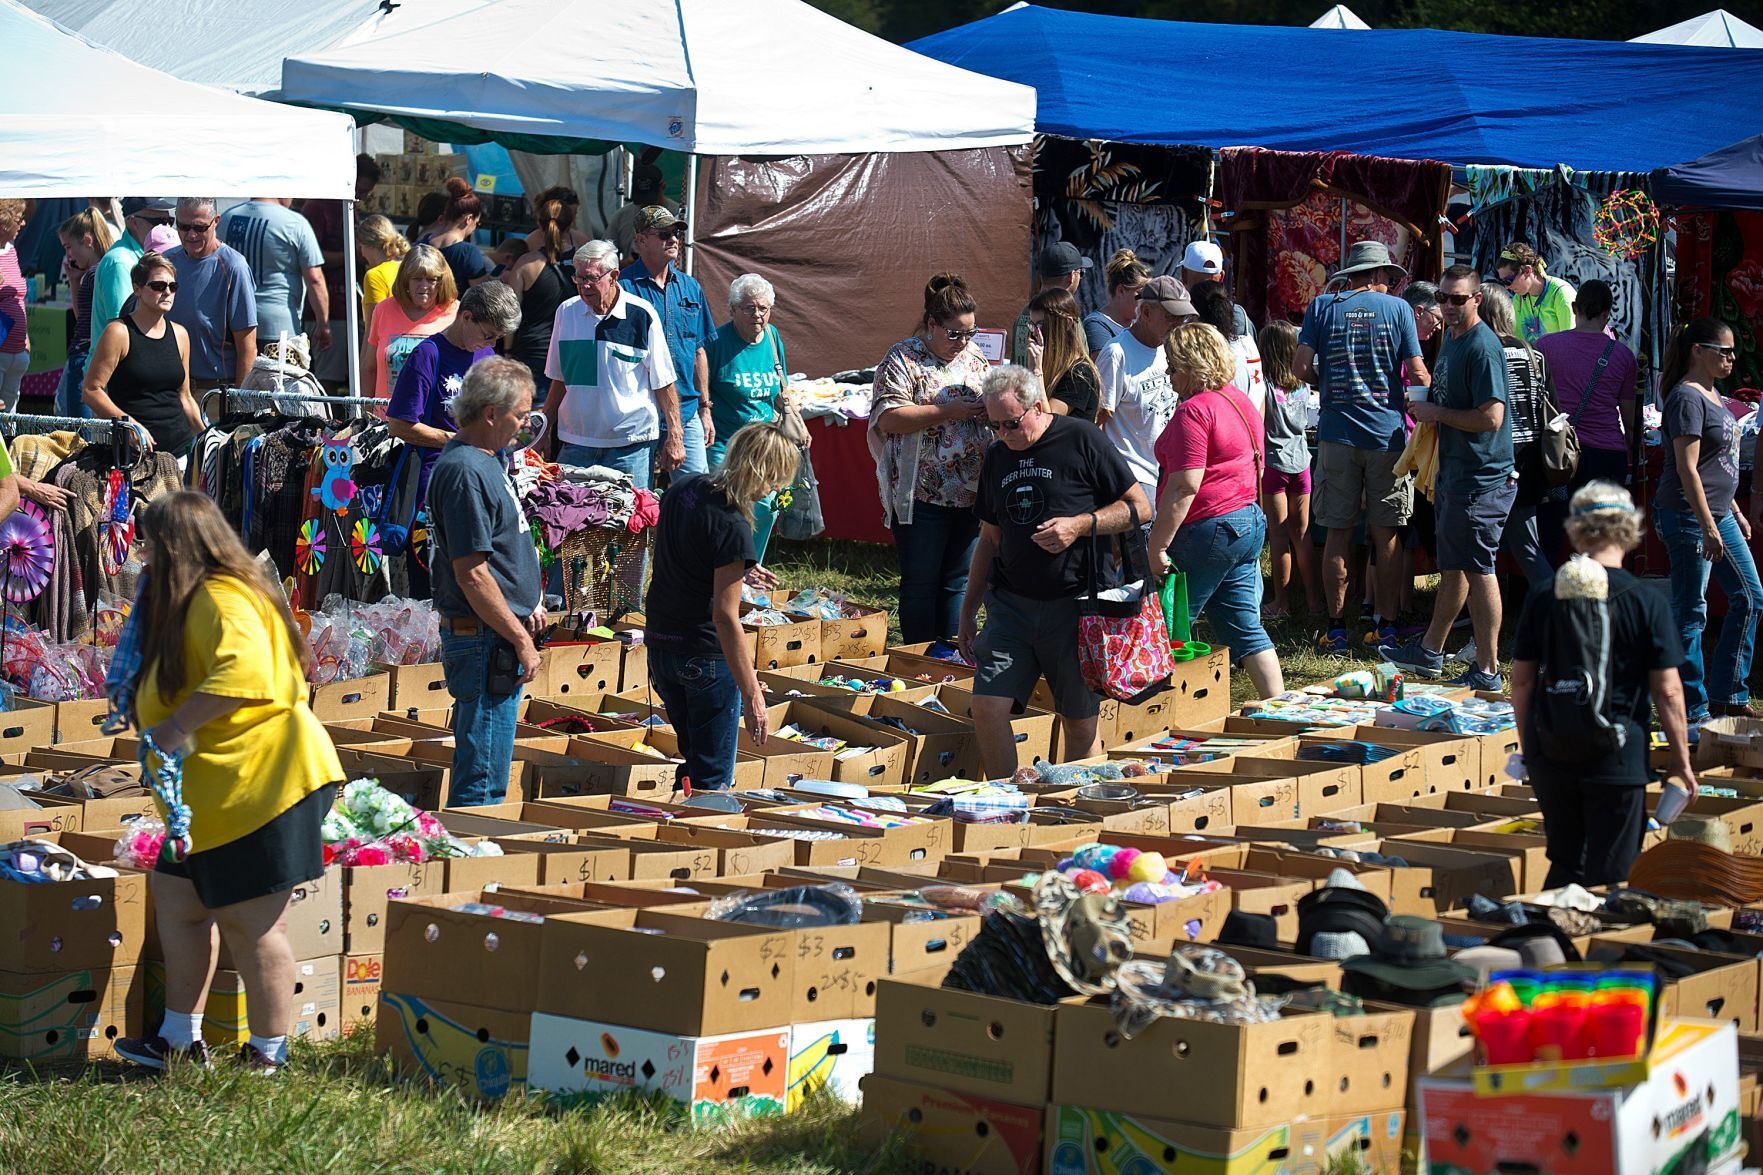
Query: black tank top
[553, 287]
[146, 384]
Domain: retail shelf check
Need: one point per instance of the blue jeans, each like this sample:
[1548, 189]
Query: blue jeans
[636, 460]
[1222, 559]
[68, 398]
[1723, 676]
[692, 433]
[483, 723]
[704, 708]
[934, 550]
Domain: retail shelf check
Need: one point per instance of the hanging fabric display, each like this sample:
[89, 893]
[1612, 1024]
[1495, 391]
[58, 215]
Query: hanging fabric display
[1720, 274]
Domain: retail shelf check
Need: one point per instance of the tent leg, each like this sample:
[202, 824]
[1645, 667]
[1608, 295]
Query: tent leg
[352, 315]
[690, 207]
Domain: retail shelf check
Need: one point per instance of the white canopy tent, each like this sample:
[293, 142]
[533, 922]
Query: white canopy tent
[1339, 17]
[1720, 29]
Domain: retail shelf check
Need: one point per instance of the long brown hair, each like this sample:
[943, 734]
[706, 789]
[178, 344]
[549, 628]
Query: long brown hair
[87, 223]
[1062, 336]
[1278, 345]
[1699, 332]
[554, 215]
[189, 543]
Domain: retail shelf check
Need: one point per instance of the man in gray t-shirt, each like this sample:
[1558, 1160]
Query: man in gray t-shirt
[216, 301]
[485, 574]
[287, 265]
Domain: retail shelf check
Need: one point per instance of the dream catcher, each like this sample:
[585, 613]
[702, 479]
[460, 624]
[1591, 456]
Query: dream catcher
[27, 546]
[364, 546]
[1627, 224]
[116, 523]
[309, 547]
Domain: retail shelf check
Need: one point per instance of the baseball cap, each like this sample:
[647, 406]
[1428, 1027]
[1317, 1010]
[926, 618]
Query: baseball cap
[135, 205]
[656, 217]
[1203, 257]
[1167, 293]
[1061, 258]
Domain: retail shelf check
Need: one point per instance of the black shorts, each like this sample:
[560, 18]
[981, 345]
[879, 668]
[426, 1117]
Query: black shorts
[280, 855]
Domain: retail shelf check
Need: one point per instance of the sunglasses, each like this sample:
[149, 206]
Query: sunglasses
[184, 227]
[163, 287]
[667, 234]
[960, 336]
[155, 221]
[1729, 352]
[1458, 299]
[1007, 425]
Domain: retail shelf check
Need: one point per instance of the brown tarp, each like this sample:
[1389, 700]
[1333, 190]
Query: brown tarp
[850, 240]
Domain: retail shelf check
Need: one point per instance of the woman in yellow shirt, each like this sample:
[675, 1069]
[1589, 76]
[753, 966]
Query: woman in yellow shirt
[382, 247]
[222, 677]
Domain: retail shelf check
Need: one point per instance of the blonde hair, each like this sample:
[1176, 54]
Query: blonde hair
[1278, 345]
[1125, 269]
[760, 460]
[1602, 514]
[377, 232]
[1062, 335]
[424, 261]
[12, 214]
[87, 223]
[1198, 350]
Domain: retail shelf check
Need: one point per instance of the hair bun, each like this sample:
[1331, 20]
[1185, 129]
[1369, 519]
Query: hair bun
[457, 186]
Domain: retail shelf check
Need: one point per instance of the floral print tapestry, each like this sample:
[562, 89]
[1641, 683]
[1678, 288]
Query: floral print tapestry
[1720, 273]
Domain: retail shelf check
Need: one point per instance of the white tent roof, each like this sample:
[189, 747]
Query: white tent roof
[237, 44]
[1339, 17]
[77, 120]
[1718, 28]
[711, 77]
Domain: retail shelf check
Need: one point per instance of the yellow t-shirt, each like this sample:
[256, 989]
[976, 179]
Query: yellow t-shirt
[376, 287]
[257, 762]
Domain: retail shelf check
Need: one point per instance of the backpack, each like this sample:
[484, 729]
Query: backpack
[1572, 720]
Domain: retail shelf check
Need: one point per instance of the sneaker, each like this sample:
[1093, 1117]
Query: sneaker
[1333, 642]
[1487, 683]
[253, 1060]
[1466, 655]
[1384, 634]
[1416, 658]
[151, 1052]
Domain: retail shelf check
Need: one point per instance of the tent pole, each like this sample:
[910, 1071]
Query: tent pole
[352, 317]
[690, 206]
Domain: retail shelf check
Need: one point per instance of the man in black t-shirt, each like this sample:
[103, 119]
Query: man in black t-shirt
[1042, 490]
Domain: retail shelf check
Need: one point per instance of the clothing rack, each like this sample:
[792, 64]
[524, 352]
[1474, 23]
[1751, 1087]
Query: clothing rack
[14, 422]
[302, 397]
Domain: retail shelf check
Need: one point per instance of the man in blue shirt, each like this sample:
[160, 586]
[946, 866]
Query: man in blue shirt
[686, 322]
[287, 265]
[1353, 348]
[217, 300]
[1476, 484]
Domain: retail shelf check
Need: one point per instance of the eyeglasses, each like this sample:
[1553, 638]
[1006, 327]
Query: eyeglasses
[184, 227]
[1728, 352]
[960, 336]
[593, 279]
[163, 287]
[755, 309]
[1007, 425]
[1458, 299]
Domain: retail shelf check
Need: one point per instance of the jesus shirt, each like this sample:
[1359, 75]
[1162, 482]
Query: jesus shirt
[1140, 400]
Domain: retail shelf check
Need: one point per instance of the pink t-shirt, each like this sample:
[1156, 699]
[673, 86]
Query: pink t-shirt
[394, 334]
[14, 330]
[1207, 433]
[1573, 362]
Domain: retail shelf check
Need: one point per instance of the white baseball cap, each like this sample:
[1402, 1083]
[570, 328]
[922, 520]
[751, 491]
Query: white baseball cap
[1203, 257]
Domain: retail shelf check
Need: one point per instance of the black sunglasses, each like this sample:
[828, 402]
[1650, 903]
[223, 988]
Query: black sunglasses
[162, 286]
[960, 336]
[1007, 425]
[1729, 352]
[1459, 299]
[186, 227]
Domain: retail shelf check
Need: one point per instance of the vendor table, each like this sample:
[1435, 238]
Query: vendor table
[849, 497]
[48, 324]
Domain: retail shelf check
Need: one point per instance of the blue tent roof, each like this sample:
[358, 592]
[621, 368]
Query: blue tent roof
[1406, 93]
[1731, 177]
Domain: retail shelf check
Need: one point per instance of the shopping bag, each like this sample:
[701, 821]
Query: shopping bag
[1122, 642]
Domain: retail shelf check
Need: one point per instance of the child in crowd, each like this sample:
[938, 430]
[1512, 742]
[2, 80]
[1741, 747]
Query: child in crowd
[1285, 485]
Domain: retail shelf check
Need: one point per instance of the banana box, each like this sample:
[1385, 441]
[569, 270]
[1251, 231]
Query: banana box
[317, 1012]
[738, 1075]
[73, 1015]
[830, 1055]
[482, 1052]
[1100, 1142]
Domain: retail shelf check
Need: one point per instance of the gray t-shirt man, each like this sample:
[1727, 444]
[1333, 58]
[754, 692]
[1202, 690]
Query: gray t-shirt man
[216, 297]
[279, 246]
[473, 510]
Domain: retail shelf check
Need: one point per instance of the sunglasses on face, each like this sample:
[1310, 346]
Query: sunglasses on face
[185, 227]
[666, 234]
[1727, 352]
[162, 286]
[1007, 425]
[960, 336]
[1458, 299]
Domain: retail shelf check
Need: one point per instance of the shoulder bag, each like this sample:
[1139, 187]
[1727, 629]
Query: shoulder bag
[789, 416]
[1122, 644]
[1558, 441]
[799, 515]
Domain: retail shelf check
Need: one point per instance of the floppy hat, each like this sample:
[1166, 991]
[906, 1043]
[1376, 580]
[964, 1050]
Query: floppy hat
[1368, 255]
[1242, 929]
[1541, 944]
[1410, 954]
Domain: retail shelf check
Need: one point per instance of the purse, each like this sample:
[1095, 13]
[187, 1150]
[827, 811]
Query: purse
[789, 416]
[1558, 441]
[1122, 645]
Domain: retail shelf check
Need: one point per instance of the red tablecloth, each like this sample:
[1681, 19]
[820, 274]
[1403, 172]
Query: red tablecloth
[848, 495]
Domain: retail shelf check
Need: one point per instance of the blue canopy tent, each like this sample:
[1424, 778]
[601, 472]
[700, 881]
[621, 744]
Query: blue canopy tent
[1401, 93]
[1731, 177]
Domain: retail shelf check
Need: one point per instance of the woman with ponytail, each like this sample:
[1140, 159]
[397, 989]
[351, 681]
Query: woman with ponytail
[1702, 531]
[544, 278]
[1126, 275]
[453, 232]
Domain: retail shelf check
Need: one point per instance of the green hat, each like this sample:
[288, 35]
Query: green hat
[1410, 954]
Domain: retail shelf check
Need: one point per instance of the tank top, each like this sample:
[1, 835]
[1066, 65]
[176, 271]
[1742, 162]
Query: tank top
[538, 309]
[146, 384]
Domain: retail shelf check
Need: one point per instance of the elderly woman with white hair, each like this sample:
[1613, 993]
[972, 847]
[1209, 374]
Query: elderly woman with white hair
[748, 376]
[1594, 652]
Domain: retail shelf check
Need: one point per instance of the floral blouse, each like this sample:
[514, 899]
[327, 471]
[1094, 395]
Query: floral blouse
[940, 464]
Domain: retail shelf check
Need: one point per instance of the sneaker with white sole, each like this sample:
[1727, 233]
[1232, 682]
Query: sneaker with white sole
[1482, 682]
[1416, 658]
[254, 1060]
[152, 1052]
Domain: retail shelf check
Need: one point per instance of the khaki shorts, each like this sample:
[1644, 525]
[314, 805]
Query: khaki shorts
[1350, 482]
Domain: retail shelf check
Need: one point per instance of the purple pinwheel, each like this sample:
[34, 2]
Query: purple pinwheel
[27, 545]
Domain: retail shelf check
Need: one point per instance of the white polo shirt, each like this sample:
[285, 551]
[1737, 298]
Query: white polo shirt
[610, 366]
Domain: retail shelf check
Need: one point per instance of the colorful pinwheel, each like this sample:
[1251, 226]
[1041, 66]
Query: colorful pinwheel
[27, 553]
[364, 546]
[309, 547]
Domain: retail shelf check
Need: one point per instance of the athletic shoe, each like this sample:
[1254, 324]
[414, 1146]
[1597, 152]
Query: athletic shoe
[151, 1052]
[1384, 634]
[254, 1060]
[1466, 654]
[1487, 683]
[1416, 658]
[1734, 710]
[1332, 642]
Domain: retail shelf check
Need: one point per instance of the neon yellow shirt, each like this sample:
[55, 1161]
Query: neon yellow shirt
[269, 754]
[1544, 313]
[376, 287]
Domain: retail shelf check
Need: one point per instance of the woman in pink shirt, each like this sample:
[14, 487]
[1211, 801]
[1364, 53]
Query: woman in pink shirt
[1209, 523]
[15, 340]
[423, 303]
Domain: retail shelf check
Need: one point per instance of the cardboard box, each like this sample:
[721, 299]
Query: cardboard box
[956, 1040]
[366, 892]
[1200, 689]
[852, 638]
[1032, 729]
[777, 646]
[481, 1052]
[73, 1016]
[417, 687]
[953, 1131]
[1684, 1117]
[434, 951]
[64, 926]
[1102, 1142]
[831, 1057]
[1374, 1141]
[1371, 1058]
[940, 747]
[361, 698]
[559, 863]
[315, 1014]
[80, 719]
[52, 815]
[30, 724]
[1230, 1075]
[361, 989]
[734, 1075]
[578, 669]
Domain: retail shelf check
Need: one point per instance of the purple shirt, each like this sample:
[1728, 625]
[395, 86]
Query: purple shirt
[431, 376]
[1573, 360]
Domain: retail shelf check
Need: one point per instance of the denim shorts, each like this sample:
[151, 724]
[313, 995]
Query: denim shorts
[1470, 525]
[1025, 639]
[1221, 557]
